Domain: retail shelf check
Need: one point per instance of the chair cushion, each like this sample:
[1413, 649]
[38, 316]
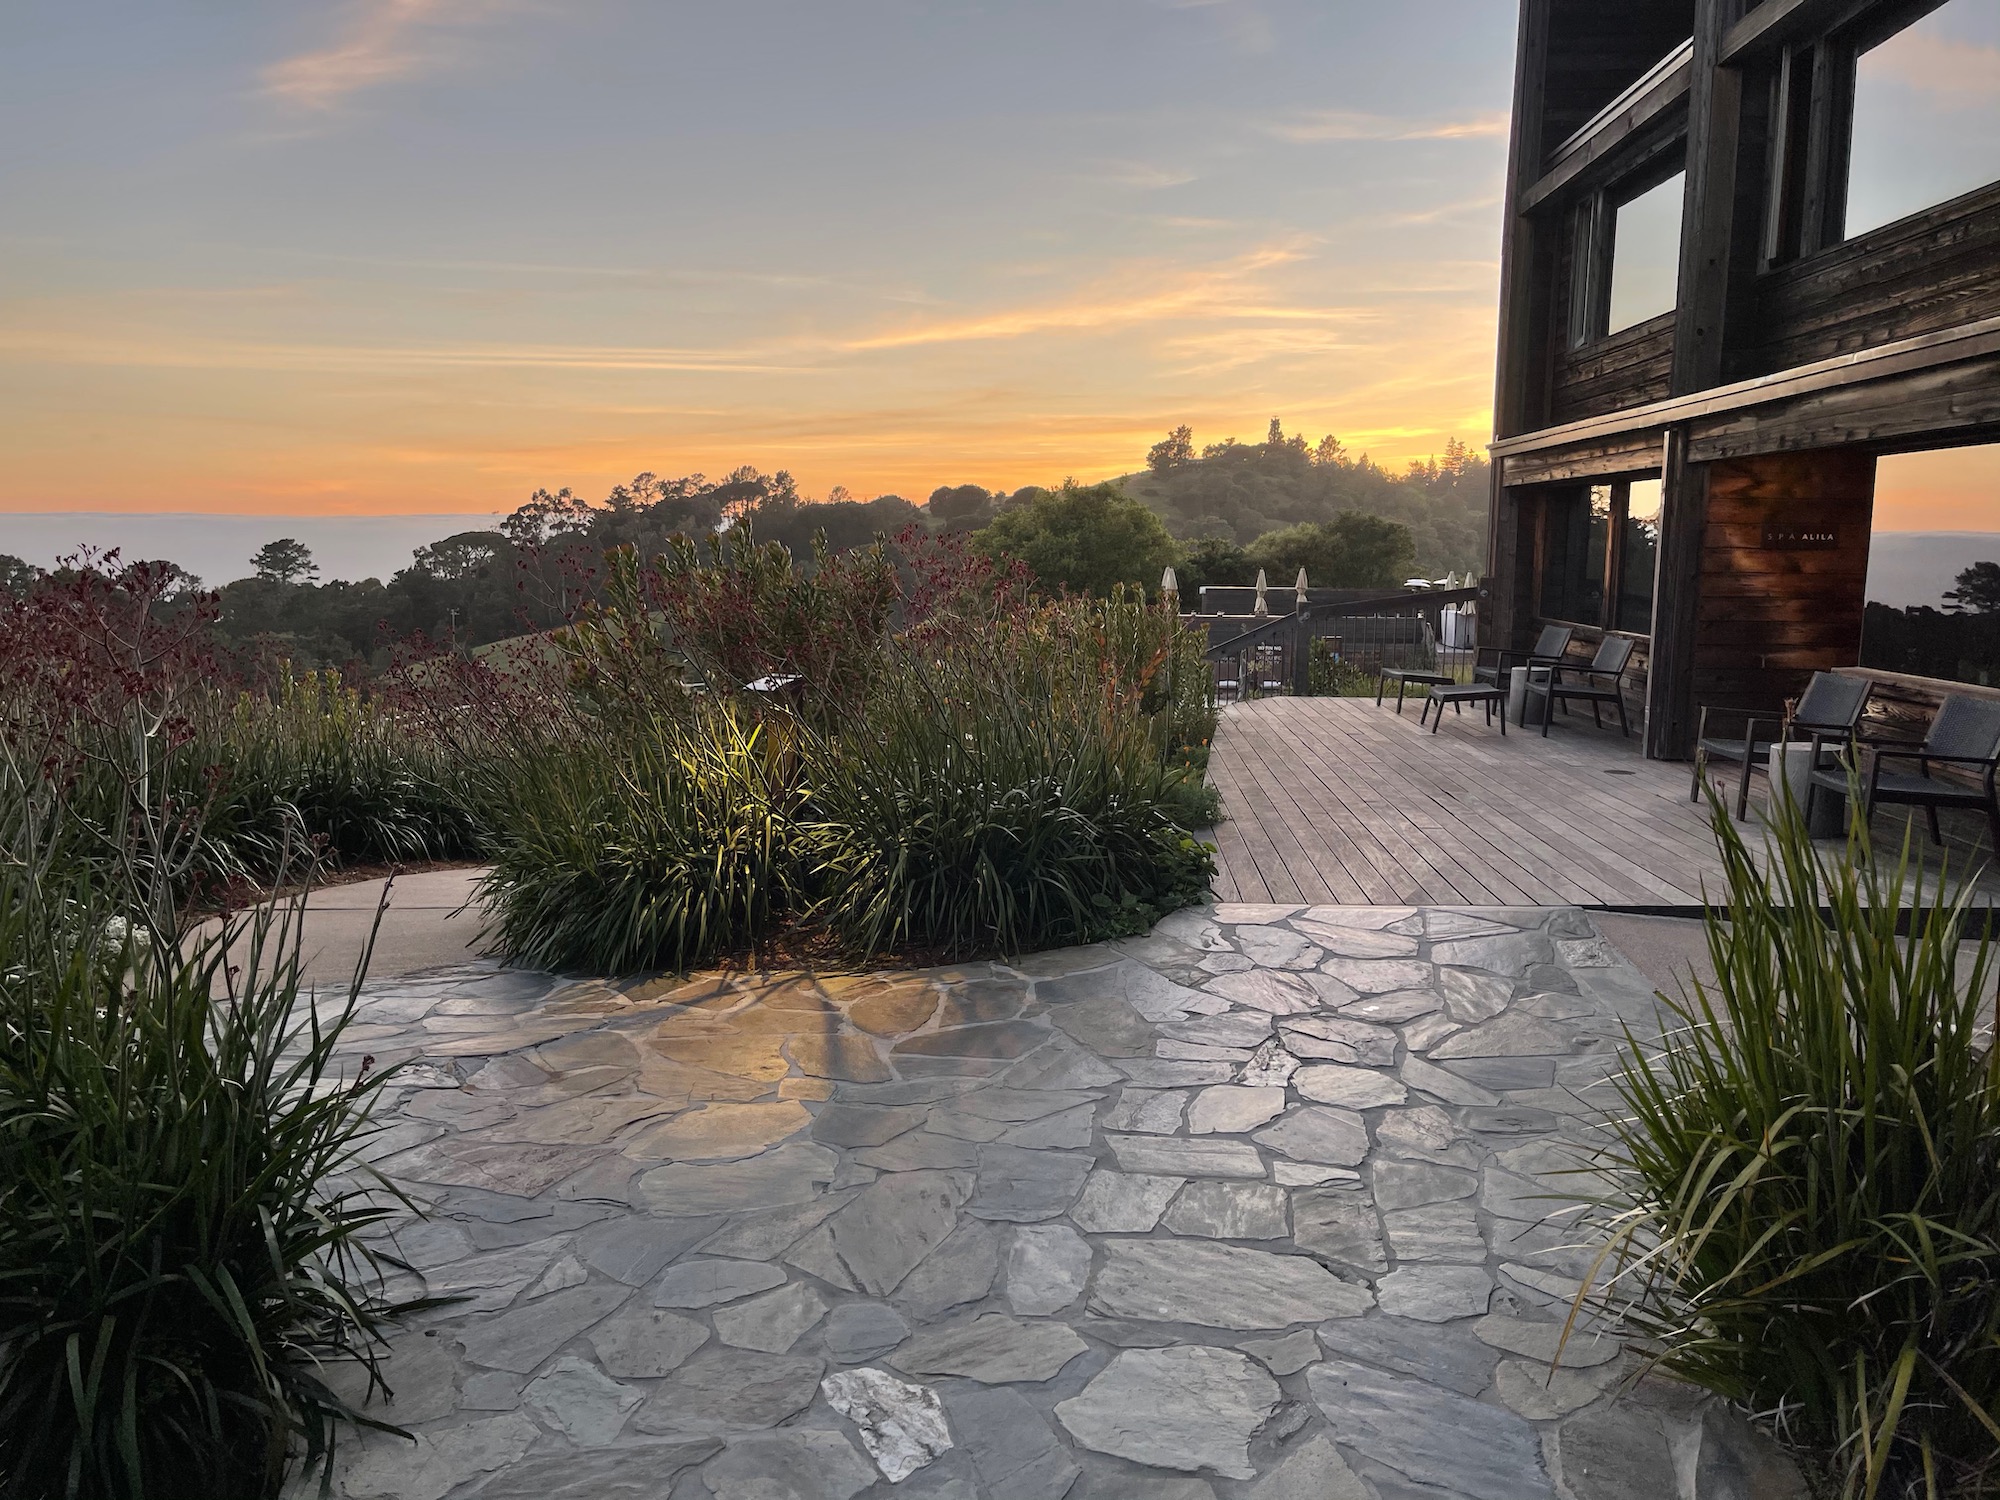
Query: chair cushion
[1906, 784]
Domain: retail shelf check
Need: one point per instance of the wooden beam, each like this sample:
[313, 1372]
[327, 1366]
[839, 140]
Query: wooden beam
[1523, 274]
[1629, 455]
[1961, 398]
[1708, 214]
[1670, 711]
[1928, 351]
[1776, 22]
[1652, 98]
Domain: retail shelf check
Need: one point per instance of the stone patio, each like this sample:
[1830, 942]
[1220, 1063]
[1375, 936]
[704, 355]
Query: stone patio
[1270, 1203]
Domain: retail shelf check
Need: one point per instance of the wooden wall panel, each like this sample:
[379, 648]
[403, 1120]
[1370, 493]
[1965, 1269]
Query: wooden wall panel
[1770, 618]
[1629, 368]
[1933, 271]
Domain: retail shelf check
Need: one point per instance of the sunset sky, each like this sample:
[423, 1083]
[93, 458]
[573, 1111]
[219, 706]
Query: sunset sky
[393, 256]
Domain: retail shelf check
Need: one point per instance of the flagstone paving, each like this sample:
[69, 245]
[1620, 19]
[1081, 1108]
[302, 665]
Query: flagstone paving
[1273, 1203]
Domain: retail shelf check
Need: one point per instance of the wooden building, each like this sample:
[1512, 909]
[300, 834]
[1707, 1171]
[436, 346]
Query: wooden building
[1699, 469]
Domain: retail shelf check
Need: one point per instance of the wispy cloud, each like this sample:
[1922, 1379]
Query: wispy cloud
[382, 42]
[1349, 125]
[1963, 72]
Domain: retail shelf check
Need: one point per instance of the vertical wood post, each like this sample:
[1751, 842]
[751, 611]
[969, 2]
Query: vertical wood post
[1708, 213]
[1301, 650]
[1670, 674]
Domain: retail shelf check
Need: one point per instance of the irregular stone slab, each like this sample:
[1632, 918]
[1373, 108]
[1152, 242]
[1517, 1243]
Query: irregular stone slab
[861, 1330]
[1340, 1039]
[1378, 976]
[1541, 1394]
[1060, 1066]
[731, 1390]
[1047, 1266]
[577, 1122]
[802, 1463]
[1432, 1436]
[993, 1349]
[1123, 1486]
[1172, 1156]
[1587, 953]
[1394, 1007]
[1123, 1202]
[1020, 1185]
[640, 1471]
[1168, 1073]
[1472, 998]
[1017, 1456]
[1422, 1132]
[1436, 1232]
[1435, 1294]
[773, 1322]
[581, 1402]
[757, 1059]
[1340, 1225]
[960, 1270]
[1148, 1111]
[1509, 1195]
[564, 1273]
[997, 1042]
[458, 1161]
[816, 1256]
[1351, 1088]
[1106, 1025]
[720, 1132]
[1283, 1356]
[644, 1343]
[1271, 1066]
[1312, 1471]
[521, 1339]
[767, 1235]
[1505, 1074]
[1070, 1129]
[894, 1223]
[1014, 1105]
[1356, 942]
[1512, 953]
[704, 1283]
[1318, 1133]
[1460, 924]
[1271, 991]
[419, 1372]
[440, 1460]
[894, 1007]
[1200, 1052]
[1516, 1035]
[1436, 1354]
[1511, 1119]
[1219, 1286]
[790, 1174]
[1234, 912]
[1544, 1342]
[901, 1425]
[1187, 1408]
[1229, 1109]
[864, 1124]
[975, 1000]
[1422, 1035]
[1230, 1211]
[1276, 948]
[1411, 1184]
[1430, 1079]
[921, 1151]
[634, 1250]
[1236, 1028]
[1310, 1174]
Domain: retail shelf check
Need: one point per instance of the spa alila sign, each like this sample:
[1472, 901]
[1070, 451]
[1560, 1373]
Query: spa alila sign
[1800, 536]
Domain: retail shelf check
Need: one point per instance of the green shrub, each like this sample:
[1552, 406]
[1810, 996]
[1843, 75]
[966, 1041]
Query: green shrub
[963, 815]
[1811, 1169]
[1333, 676]
[656, 848]
[179, 1201]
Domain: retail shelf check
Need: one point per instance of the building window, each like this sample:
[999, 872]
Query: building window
[1578, 549]
[1600, 545]
[1646, 255]
[1926, 120]
[1638, 551]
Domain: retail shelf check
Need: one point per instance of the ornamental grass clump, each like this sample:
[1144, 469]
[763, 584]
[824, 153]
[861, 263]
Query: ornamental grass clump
[1810, 1169]
[181, 1193]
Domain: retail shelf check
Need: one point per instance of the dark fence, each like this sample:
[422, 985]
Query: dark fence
[1256, 656]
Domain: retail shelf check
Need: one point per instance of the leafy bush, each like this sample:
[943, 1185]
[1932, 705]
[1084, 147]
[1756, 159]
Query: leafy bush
[656, 848]
[176, 1243]
[964, 815]
[1333, 676]
[1811, 1169]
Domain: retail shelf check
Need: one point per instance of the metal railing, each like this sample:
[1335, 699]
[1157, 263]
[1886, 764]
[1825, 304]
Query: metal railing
[1396, 630]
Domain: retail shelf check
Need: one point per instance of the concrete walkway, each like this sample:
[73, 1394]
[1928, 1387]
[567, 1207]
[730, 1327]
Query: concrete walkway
[430, 922]
[1272, 1203]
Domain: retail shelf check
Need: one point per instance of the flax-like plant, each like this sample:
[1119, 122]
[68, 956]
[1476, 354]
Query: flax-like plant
[659, 848]
[180, 1194]
[1810, 1167]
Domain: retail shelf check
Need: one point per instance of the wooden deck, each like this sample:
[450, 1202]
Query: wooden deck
[1333, 801]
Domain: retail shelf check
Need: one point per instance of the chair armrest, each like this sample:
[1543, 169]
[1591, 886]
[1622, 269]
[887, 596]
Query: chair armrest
[1943, 760]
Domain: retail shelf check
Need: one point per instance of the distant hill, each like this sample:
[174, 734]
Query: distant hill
[1907, 568]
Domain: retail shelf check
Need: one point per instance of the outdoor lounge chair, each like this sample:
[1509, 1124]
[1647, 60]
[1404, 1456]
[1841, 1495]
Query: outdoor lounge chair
[1603, 681]
[1550, 647]
[1965, 734]
[1827, 713]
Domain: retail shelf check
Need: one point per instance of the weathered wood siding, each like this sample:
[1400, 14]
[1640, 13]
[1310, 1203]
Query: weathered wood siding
[1630, 368]
[1768, 619]
[1932, 271]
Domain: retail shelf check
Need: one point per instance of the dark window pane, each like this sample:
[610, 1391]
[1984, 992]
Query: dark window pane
[1640, 550]
[1573, 577]
[1646, 255]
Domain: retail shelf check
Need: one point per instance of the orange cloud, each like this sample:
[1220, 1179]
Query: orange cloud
[382, 43]
[1349, 125]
